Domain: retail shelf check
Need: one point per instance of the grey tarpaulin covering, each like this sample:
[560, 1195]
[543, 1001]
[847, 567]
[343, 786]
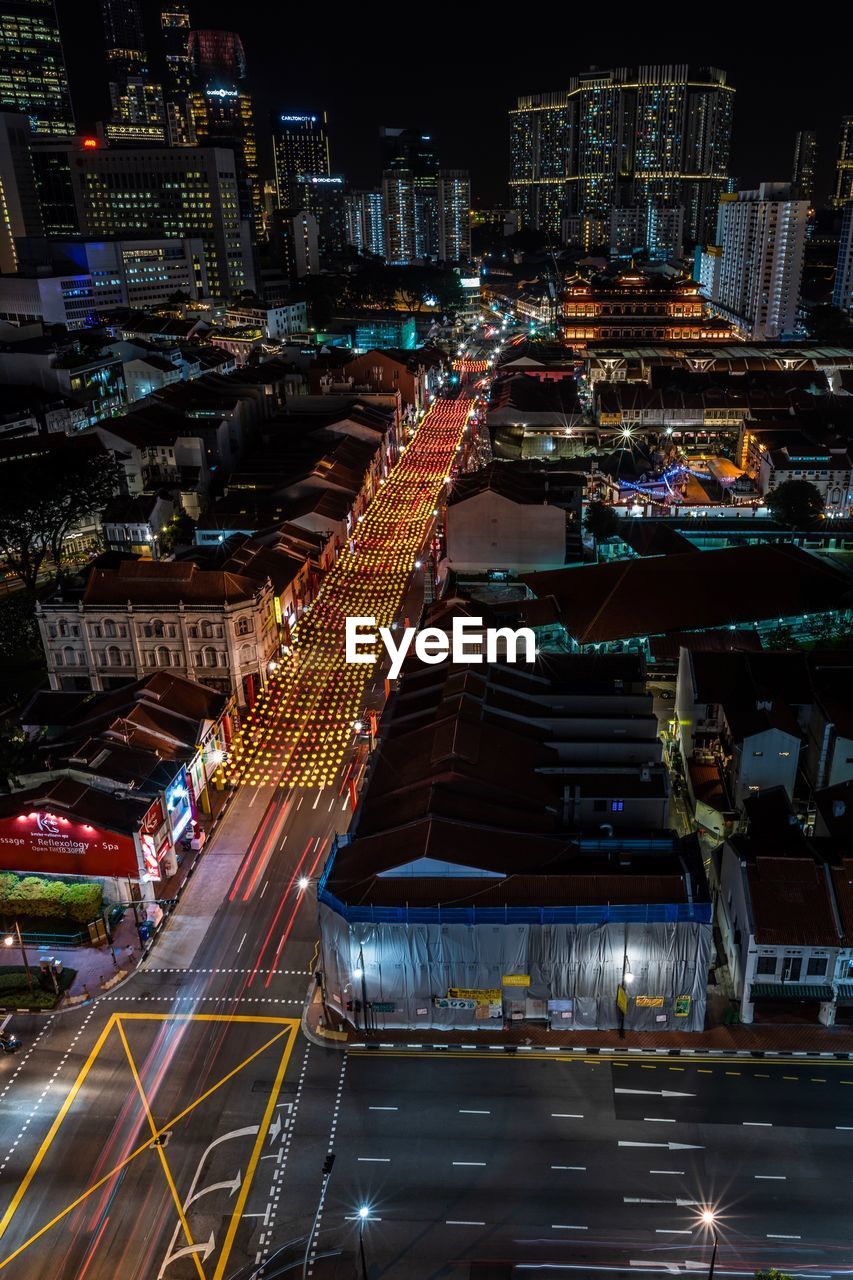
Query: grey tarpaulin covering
[410, 966]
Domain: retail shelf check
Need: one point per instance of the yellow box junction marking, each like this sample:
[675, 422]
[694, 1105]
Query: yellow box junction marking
[287, 1027]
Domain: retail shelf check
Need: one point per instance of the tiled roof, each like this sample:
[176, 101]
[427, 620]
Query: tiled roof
[159, 582]
[791, 903]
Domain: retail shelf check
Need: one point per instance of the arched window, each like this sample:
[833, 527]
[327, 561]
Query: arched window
[164, 658]
[244, 626]
[205, 629]
[157, 628]
[210, 657]
[63, 628]
[109, 627]
[113, 656]
[247, 655]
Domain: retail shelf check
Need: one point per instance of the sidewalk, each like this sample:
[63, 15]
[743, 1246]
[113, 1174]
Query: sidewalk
[330, 1031]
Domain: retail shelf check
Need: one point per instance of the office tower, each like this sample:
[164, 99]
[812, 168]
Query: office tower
[177, 79]
[844, 165]
[158, 192]
[618, 138]
[222, 114]
[805, 159]
[127, 57]
[365, 227]
[32, 69]
[20, 213]
[454, 215]
[761, 235]
[296, 236]
[842, 293]
[300, 145]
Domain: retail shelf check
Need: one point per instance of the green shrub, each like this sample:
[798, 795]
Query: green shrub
[28, 898]
[82, 902]
[8, 881]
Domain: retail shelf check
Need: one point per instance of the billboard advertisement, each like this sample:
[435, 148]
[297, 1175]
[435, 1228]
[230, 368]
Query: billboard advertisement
[46, 843]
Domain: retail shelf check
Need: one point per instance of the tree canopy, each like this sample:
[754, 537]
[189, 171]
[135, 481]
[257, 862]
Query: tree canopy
[601, 522]
[797, 503]
[44, 497]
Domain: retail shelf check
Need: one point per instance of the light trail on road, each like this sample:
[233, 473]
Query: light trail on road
[302, 724]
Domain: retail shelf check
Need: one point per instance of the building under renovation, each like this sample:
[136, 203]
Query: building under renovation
[511, 859]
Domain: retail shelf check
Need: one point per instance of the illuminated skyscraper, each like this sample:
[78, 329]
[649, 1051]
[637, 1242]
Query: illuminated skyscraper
[624, 137]
[138, 107]
[454, 215]
[175, 42]
[33, 80]
[365, 227]
[842, 293]
[805, 158]
[300, 145]
[221, 111]
[844, 165]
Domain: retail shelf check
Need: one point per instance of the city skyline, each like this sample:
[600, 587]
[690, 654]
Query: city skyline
[466, 107]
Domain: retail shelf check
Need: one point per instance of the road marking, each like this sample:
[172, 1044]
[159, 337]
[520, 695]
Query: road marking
[657, 1093]
[462, 1222]
[575, 1168]
[671, 1146]
[659, 1119]
[4, 1024]
[757, 1124]
[672, 1231]
[465, 1112]
[287, 1027]
[680, 1172]
[383, 1108]
[242, 940]
[374, 1159]
[845, 1127]
[772, 1236]
[469, 1164]
[565, 1115]
[263, 891]
[563, 1226]
[770, 1177]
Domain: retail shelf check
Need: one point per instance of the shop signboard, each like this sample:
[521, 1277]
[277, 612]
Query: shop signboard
[179, 804]
[444, 1002]
[622, 999]
[681, 1006]
[649, 1002]
[515, 980]
[481, 995]
[49, 843]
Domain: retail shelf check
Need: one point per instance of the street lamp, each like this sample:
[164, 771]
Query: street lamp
[708, 1218]
[363, 1215]
[9, 941]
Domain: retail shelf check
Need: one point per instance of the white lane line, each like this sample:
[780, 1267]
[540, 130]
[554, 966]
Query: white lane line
[846, 1128]
[672, 1231]
[4, 1024]
[576, 1168]
[332, 804]
[299, 805]
[462, 1222]
[317, 801]
[680, 1172]
[356, 1217]
[757, 1124]
[242, 940]
[658, 1120]
[374, 1159]
[263, 891]
[469, 1164]
[562, 1226]
[771, 1236]
[770, 1177]
[463, 1111]
[383, 1108]
[565, 1115]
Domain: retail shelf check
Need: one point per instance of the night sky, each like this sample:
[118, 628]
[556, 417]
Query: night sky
[454, 69]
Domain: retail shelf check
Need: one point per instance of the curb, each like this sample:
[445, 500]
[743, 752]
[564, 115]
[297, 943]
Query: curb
[323, 1039]
[591, 1051]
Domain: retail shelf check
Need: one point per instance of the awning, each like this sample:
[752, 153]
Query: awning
[845, 990]
[789, 991]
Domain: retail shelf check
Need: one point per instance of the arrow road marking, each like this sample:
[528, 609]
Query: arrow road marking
[205, 1250]
[657, 1093]
[669, 1146]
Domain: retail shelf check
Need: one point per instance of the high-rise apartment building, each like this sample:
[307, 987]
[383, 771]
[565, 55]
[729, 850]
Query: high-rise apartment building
[844, 165]
[177, 81]
[842, 293]
[628, 136]
[365, 226]
[33, 80]
[154, 192]
[410, 156]
[454, 215]
[300, 145]
[805, 161]
[761, 235]
[222, 114]
[322, 195]
[398, 212]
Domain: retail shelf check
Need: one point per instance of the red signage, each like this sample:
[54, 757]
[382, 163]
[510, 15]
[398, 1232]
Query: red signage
[154, 819]
[47, 842]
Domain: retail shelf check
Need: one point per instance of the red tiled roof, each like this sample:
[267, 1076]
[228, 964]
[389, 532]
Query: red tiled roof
[160, 582]
[791, 905]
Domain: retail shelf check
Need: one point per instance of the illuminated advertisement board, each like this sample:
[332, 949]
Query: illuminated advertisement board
[40, 841]
[179, 805]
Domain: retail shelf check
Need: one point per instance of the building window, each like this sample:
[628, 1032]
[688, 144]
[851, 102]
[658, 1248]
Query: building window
[816, 967]
[113, 656]
[209, 657]
[616, 806]
[599, 806]
[766, 966]
[164, 658]
[758, 753]
[244, 626]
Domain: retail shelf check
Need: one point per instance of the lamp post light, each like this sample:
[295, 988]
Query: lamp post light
[627, 979]
[9, 941]
[363, 1215]
[708, 1218]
